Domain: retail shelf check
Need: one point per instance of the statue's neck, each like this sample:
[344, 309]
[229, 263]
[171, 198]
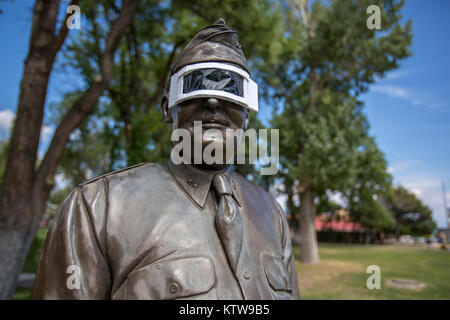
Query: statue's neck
[212, 167]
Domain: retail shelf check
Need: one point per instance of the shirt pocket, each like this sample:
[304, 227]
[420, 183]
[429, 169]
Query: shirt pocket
[172, 279]
[276, 273]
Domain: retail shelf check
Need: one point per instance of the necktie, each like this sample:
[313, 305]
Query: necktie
[228, 220]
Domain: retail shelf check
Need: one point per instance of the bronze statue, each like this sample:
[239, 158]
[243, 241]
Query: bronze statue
[168, 231]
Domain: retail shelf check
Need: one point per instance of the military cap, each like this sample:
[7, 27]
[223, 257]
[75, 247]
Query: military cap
[217, 43]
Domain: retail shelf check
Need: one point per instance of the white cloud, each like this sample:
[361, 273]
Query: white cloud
[61, 181]
[402, 93]
[392, 91]
[437, 105]
[337, 197]
[402, 166]
[282, 201]
[46, 133]
[6, 119]
[76, 134]
[397, 74]
[417, 192]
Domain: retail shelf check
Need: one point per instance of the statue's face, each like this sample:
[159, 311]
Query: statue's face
[214, 114]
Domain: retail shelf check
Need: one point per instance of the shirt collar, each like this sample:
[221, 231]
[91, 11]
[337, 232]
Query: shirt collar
[196, 182]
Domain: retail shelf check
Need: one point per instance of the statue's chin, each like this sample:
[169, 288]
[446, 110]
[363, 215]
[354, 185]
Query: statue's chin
[212, 167]
[211, 158]
[214, 154]
[213, 150]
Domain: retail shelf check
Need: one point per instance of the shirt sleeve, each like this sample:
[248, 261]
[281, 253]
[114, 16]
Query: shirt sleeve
[73, 263]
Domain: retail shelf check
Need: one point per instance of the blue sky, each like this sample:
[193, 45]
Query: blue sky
[408, 110]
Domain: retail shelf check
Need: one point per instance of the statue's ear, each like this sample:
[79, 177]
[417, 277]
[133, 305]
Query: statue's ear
[165, 109]
[247, 119]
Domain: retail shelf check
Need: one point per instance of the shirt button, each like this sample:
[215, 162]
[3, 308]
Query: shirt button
[246, 275]
[173, 288]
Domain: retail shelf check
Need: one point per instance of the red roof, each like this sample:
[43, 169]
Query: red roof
[333, 225]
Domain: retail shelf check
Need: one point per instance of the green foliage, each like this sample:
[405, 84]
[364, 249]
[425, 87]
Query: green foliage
[330, 141]
[34, 254]
[324, 204]
[330, 57]
[348, 54]
[411, 215]
[370, 182]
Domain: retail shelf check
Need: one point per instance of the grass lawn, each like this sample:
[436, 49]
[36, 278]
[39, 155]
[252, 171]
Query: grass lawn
[341, 273]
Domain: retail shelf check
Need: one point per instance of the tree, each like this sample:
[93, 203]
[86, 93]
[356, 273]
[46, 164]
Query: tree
[329, 59]
[411, 215]
[26, 184]
[3, 153]
[369, 184]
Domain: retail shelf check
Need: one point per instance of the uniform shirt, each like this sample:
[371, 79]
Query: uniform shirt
[148, 232]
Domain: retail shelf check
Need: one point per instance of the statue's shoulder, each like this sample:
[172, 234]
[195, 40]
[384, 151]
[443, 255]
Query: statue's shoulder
[250, 187]
[139, 171]
[250, 191]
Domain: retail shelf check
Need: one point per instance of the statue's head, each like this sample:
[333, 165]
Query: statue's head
[210, 82]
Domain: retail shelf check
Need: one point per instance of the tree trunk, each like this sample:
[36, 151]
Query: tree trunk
[24, 191]
[16, 216]
[382, 237]
[309, 247]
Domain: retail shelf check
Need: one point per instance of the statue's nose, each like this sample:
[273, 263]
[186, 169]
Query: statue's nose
[212, 103]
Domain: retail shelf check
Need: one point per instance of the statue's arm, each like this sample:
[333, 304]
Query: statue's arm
[73, 263]
[288, 256]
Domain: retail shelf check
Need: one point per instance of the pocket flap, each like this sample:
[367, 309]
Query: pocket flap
[276, 273]
[172, 279]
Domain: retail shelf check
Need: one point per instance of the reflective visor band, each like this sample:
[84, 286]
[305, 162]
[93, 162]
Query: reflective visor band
[213, 79]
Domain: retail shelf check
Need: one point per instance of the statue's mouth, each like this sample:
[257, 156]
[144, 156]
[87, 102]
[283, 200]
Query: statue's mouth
[216, 121]
[214, 125]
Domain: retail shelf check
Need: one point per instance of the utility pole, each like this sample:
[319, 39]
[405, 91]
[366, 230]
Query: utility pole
[447, 209]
